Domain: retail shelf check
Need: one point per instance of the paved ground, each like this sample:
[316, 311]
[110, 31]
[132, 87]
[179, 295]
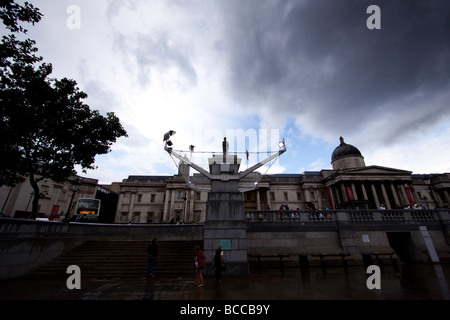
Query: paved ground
[408, 282]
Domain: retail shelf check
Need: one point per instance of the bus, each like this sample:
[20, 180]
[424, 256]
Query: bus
[87, 210]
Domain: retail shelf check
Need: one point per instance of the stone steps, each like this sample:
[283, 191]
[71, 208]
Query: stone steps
[124, 259]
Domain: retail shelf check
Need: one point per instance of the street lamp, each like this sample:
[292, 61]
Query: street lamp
[75, 184]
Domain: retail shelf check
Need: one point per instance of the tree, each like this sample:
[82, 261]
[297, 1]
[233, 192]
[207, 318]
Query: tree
[46, 128]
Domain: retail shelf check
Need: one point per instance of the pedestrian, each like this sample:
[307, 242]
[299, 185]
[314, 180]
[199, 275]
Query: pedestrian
[199, 266]
[219, 265]
[152, 251]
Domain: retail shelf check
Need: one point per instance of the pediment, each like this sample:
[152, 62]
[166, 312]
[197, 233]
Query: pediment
[377, 170]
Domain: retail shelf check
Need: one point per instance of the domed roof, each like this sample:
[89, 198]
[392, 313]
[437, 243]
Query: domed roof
[345, 150]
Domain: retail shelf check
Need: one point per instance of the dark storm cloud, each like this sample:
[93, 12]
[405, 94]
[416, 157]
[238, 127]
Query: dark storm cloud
[154, 51]
[317, 59]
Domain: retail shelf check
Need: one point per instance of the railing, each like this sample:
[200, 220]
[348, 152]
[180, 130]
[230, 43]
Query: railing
[289, 216]
[406, 216]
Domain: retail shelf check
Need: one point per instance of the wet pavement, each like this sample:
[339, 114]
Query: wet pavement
[407, 282]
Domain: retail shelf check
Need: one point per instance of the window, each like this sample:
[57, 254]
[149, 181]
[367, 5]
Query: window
[197, 215]
[299, 196]
[150, 217]
[123, 217]
[272, 196]
[139, 197]
[136, 217]
[152, 198]
[285, 196]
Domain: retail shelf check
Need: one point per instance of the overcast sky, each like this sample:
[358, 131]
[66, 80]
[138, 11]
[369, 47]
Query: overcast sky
[306, 71]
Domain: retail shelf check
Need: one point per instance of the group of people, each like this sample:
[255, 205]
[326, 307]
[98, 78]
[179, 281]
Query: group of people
[217, 263]
[415, 206]
[199, 262]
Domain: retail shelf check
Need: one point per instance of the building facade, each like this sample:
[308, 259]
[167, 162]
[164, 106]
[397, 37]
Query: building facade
[55, 198]
[349, 184]
[182, 198]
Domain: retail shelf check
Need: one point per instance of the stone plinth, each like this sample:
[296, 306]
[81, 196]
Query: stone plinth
[225, 222]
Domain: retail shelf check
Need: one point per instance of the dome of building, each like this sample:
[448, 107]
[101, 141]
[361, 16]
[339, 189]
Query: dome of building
[346, 156]
[345, 150]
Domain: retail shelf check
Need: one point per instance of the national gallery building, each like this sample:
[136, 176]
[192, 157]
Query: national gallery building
[350, 184]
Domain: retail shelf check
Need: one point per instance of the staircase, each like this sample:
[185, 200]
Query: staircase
[123, 259]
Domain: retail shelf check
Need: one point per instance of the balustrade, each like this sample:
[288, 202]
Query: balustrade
[406, 216]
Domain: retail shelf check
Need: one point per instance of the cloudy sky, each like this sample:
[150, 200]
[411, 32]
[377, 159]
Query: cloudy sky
[258, 71]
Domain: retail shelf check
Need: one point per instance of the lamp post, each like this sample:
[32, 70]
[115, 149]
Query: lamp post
[75, 184]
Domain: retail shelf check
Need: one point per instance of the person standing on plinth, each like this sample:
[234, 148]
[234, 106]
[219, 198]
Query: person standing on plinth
[225, 147]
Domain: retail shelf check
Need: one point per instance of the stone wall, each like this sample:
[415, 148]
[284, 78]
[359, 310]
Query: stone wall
[26, 244]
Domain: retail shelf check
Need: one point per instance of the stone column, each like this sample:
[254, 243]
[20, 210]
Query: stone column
[319, 198]
[119, 208]
[268, 199]
[131, 208]
[344, 191]
[337, 194]
[172, 204]
[333, 202]
[191, 207]
[375, 196]
[385, 196]
[394, 193]
[364, 191]
[355, 194]
[258, 200]
[166, 207]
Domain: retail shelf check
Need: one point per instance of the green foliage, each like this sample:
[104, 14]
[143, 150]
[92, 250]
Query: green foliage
[45, 127]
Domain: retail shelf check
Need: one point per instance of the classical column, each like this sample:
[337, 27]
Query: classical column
[364, 191]
[191, 207]
[319, 198]
[268, 199]
[172, 204]
[405, 197]
[119, 208]
[307, 195]
[374, 192]
[166, 207]
[355, 195]
[131, 208]
[394, 193]
[385, 196]
[258, 200]
[344, 192]
[330, 194]
[337, 195]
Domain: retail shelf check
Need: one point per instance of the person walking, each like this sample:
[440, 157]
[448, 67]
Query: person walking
[200, 259]
[218, 263]
[152, 251]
